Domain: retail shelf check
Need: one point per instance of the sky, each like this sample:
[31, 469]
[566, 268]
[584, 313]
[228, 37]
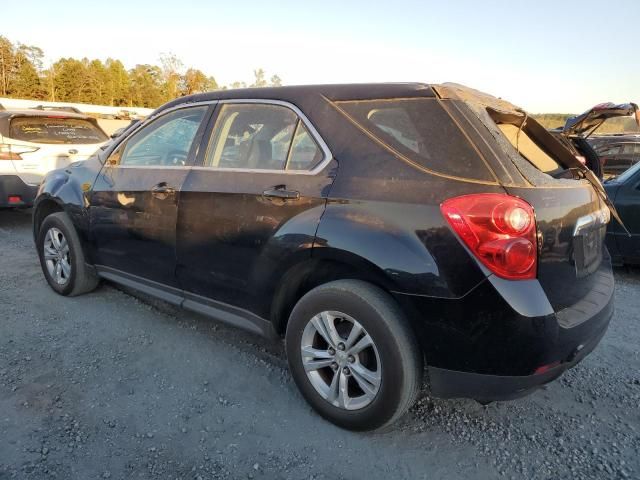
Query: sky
[546, 56]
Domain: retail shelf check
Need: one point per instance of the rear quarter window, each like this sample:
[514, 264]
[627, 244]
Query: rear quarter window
[421, 131]
[50, 130]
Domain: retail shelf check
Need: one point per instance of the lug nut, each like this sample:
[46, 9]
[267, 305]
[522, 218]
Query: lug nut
[334, 366]
[351, 359]
[346, 371]
[341, 346]
[331, 351]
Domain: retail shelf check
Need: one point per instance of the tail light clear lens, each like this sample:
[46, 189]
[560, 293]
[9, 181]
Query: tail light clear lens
[499, 229]
[12, 152]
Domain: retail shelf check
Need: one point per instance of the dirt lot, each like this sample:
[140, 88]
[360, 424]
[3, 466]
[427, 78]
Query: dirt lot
[108, 386]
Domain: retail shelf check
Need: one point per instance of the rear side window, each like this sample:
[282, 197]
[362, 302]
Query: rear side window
[50, 130]
[421, 131]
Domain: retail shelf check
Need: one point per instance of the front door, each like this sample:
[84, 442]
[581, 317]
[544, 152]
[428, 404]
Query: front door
[254, 200]
[134, 201]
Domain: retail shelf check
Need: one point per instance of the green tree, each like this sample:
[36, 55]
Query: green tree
[195, 81]
[146, 86]
[70, 80]
[25, 81]
[118, 84]
[7, 59]
[172, 67]
[95, 86]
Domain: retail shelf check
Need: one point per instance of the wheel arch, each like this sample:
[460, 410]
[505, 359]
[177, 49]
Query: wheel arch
[44, 207]
[315, 271]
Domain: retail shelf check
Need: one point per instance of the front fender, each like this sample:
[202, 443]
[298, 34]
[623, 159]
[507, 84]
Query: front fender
[65, 190]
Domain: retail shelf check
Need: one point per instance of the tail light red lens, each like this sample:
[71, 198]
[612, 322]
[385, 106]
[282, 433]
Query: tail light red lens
[499, 229]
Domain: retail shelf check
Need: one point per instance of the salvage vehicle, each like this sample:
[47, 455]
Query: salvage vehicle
[603, 161]
[624, 242]
[34, 142]
[617, 157]
[376, 227]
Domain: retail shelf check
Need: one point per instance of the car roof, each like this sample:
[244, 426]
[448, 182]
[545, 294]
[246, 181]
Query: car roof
[299, 94]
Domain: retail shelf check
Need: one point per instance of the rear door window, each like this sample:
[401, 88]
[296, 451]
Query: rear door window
[261, 137]
[50, 130]
[421, 131]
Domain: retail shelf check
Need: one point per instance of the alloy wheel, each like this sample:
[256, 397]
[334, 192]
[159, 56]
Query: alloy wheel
[56, 256]
[341, 360]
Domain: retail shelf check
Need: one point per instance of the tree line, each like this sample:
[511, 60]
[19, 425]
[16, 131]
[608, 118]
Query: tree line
[23, 75]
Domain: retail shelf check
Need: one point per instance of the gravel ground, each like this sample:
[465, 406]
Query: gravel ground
[110, 386]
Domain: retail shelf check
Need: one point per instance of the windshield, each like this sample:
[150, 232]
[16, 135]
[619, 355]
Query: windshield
[51, 130]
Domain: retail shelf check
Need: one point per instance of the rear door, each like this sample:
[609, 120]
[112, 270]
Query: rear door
[255, 199]
[134, 201]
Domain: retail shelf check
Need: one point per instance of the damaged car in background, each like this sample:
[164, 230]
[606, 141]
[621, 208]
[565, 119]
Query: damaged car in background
[377, 228]
[606, 155]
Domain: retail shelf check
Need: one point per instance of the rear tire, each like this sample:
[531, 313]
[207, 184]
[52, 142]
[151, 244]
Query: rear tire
[61, 257]
[353, 387]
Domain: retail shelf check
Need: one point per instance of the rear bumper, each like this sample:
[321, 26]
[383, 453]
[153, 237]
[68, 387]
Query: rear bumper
[12, 185]
[496, 345]
[489, 388]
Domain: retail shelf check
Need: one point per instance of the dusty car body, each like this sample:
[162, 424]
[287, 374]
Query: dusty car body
[474, 229]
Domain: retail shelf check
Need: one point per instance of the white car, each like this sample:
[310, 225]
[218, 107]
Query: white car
[34, 142]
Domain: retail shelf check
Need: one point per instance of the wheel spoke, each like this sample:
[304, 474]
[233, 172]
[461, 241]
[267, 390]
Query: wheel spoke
[343, 394]
[64, 246]
[310, 365]
[66, 268]
[368, 380]
[311, 352]
[58, 272]
[334, 388]
[363, 343]
[356, 331]
[325, 327]
[49, 255]
[55, 240]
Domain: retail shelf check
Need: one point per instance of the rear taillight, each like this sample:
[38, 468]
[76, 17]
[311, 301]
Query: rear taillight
[499, 229]
[12, 152]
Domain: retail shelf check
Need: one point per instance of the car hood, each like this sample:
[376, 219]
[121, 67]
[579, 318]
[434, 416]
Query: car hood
[592, 118]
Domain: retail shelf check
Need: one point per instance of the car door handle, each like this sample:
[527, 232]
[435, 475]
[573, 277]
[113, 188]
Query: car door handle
[279, 191]
[162, 190]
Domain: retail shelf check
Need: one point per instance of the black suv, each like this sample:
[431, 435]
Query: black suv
[378, 228]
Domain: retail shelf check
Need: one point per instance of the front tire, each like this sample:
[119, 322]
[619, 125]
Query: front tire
[353, 355]
[61, 257]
